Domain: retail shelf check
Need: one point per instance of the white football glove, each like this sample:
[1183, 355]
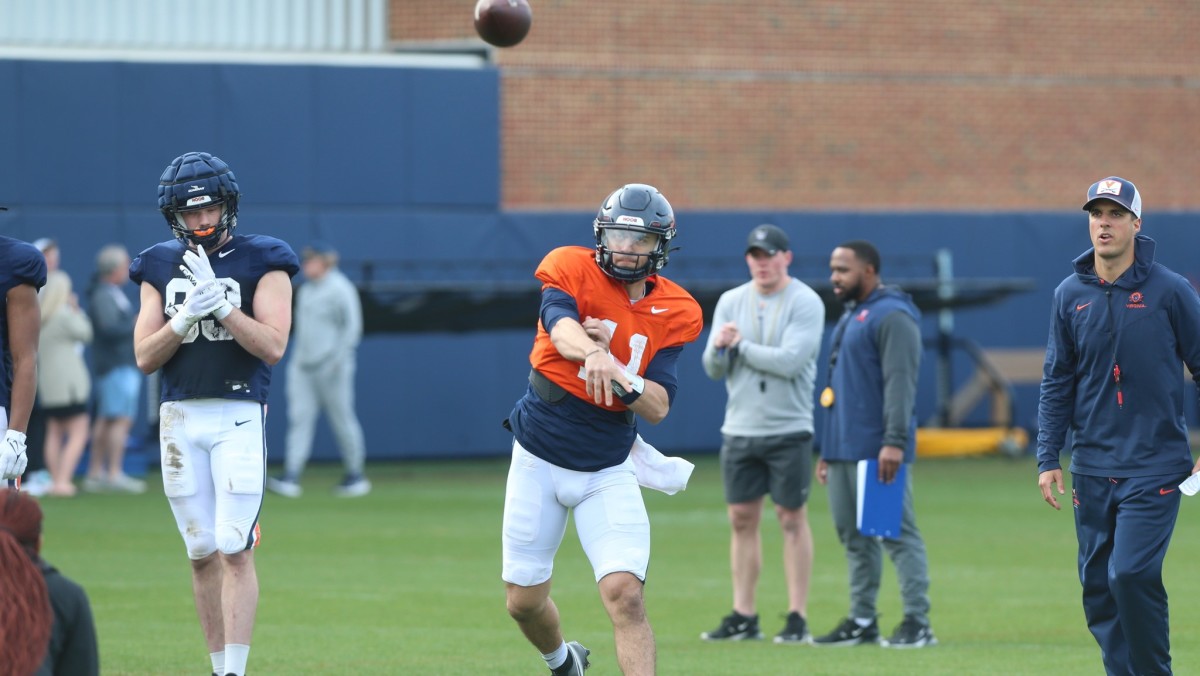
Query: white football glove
[199, 270]
[12, 455]
[198, 265]
[200, 302]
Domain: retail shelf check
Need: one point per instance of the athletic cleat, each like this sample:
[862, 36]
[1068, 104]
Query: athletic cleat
[850, 633]
[910, 633]
[795, 631]
[734, 627]
[352, 486]
[285, 486]
[577, 661]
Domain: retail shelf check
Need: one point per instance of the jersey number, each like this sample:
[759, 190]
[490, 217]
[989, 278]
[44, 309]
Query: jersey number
[211, 329]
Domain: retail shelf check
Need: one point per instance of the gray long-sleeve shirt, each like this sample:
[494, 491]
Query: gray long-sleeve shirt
[770, 375]
[328, 321]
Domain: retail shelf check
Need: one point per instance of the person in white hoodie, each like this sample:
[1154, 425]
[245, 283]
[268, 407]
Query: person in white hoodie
[320, 374]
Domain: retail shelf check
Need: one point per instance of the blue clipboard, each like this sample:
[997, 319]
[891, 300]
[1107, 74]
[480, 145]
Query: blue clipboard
[880, 506]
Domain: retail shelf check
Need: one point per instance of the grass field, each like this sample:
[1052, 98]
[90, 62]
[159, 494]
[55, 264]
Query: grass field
[406, 580]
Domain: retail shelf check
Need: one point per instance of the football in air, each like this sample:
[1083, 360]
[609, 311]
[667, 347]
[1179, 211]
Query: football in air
[503, 23]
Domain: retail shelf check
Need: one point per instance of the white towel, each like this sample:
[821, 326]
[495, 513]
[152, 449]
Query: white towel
[657, 471]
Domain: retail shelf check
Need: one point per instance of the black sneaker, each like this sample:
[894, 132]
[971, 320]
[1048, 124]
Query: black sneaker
[577, 661]
[910, 633]
[849, 633]
[795, 631]
[734, 627]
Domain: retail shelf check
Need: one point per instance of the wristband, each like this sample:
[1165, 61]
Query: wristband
[223, 310]
[180, 324]
[591, 353]
[628, 399]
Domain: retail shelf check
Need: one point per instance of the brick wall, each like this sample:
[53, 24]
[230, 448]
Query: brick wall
[871, 105]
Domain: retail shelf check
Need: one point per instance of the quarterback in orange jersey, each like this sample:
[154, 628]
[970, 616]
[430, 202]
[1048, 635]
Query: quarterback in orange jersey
[609, 337]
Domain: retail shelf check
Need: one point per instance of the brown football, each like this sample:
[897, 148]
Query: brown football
[503, 23]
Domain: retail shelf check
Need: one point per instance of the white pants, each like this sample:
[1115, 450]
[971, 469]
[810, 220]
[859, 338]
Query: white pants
[214, 468]
[610, 518]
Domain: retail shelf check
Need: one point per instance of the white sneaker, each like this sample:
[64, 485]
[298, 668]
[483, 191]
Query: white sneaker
[123, 483]
[285, 487]
[93, 484]
[352, 486]
[37, 483]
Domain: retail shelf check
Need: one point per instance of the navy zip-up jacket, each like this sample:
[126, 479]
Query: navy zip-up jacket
[875, 379]
[1146, 324]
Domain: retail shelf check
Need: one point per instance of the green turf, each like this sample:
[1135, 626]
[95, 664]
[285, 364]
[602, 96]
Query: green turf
[406, 580]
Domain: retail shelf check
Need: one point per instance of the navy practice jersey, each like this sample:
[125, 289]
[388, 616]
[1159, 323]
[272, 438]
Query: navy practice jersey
[20, 263]
[210, 364]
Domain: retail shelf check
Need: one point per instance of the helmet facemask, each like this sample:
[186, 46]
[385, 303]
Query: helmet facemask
[208, 237]
[628, 214]
[626, 241]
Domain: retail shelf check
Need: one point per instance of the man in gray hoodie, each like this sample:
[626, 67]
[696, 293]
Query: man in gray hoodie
[320, 375]
[764, 343]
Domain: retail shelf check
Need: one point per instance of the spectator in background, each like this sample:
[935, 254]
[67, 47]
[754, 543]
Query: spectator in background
[320, 376]
[63, 382]
[118, 380]
[37, 478]
[870, 405]
[764, 343]
[60, 635]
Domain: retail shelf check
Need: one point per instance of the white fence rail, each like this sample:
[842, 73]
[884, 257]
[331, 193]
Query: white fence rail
[333, 26]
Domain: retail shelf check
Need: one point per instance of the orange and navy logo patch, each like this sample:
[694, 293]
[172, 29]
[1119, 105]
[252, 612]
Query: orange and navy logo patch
[1136, 300]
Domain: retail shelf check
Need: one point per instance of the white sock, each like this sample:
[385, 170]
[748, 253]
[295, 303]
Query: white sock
[556, 659]
[236, 655]
[858, 620]
[218, 661]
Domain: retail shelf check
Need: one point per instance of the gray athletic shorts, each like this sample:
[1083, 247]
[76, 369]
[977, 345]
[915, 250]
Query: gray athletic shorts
[755, 466]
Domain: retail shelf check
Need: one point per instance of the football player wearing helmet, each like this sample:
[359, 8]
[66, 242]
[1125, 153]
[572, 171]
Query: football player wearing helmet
[609, 336]
[215, 316]
[22, 273]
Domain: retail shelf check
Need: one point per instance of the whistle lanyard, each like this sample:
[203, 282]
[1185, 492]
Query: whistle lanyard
[764, 334]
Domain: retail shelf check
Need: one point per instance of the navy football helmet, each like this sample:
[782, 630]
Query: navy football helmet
[640, 208]
[198, 181]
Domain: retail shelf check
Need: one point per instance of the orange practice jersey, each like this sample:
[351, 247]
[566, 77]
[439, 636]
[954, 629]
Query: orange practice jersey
[667, 317]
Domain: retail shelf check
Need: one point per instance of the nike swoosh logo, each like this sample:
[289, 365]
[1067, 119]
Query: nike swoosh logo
[240, 423]
[1166, 491]
[1080, 307]
[658, 310]
[225, 253]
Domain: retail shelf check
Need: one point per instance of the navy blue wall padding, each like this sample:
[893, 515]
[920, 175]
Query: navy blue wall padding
[399, 169]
